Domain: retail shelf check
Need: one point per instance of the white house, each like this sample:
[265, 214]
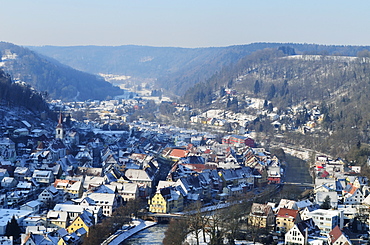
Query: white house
[43, 176]
[108, 202]
[297, 234]
[50, 194]
[326, 220]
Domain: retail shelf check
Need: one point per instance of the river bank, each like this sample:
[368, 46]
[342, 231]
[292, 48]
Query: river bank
[120, 236]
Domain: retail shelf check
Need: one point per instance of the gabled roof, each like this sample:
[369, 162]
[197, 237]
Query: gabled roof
[304, 203]
[287, 204]
[335, 234]
[308, 225]
[138, 175]
[287, 213]
[260, 209]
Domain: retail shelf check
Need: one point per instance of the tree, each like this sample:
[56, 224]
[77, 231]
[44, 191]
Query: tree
[176, 232]
[326, 203]
[13, 229]
[271, 92]
[257, 87]
[195, 219]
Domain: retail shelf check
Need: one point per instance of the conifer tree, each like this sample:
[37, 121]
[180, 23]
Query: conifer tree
[12, 229]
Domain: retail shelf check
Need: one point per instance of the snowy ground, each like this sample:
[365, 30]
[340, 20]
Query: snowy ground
[190, 239]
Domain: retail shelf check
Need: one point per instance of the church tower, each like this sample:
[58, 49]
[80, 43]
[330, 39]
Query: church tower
[59, 131]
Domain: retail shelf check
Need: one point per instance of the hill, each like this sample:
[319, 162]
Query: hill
[172, 69]
[337, 85]
[20, 94]
[47, 75]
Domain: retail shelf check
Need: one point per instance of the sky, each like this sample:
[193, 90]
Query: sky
[179, 23]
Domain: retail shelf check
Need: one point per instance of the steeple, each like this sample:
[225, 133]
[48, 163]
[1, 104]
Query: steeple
[59, 131]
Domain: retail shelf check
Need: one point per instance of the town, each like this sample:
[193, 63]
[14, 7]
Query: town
[59, 180]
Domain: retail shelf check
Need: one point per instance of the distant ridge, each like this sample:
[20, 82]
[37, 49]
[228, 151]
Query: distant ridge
[48, 75]
[173, 69]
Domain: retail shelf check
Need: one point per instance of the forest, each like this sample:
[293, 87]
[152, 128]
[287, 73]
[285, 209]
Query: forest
[174, 69]
[338, 85]
[59, 81]
[20, 94]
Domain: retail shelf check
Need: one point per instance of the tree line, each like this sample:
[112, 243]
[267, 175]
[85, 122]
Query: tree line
[20, 94]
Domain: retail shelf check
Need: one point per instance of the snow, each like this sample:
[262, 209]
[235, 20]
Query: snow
[190, 239]
[122, 235]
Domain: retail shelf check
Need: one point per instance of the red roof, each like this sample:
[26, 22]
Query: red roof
[325, 174]
[287, 213]
[178, 153]
[352, 190]
[335, 234]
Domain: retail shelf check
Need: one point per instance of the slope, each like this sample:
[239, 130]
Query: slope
[44, 74]
[338, 85]
[173, 69]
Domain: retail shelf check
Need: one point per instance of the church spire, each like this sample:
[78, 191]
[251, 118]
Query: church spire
[59, 131]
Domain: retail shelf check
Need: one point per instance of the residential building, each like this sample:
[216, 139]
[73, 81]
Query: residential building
[286, 219]
[336, 237]
[84, 220]
[300, 232]
[166, 200]
[49, 196]
[108, 202]
[261, 215]
[43, 177]
[57, 219]
[326, 220]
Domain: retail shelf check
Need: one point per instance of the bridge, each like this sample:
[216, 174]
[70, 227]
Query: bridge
[299, 184]
[161, 217]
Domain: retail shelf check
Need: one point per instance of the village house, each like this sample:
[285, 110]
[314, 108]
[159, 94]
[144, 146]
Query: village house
[43, 177]
[74, 210]
[261, 216]
[336, 237]
[83, 220]
[286, 219]
[166, 200]
[238, 140]
[33, 206]
[143, 178]
[108, 202]
[301, 232]
[326, 220]
[22, 173]
[7, 149]
[8, 183]
[50, 195]
[72, 188]
[127, 191]
[57, 219]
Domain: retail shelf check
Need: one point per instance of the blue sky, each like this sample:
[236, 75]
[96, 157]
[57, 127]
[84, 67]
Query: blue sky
[201, 23]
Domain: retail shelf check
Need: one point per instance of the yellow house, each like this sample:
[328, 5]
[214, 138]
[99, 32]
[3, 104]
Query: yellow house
[261, 216]
[67, 239]
[286, 219]
[158, 204]
[57, 219]
[166, 200]
[81, 221]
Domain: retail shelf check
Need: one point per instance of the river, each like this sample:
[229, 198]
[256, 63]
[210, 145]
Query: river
[152, 236]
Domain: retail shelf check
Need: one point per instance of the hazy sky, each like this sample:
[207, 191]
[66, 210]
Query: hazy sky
[201, 23]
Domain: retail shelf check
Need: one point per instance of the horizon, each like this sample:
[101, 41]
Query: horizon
[191, 24]
[283, 43]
